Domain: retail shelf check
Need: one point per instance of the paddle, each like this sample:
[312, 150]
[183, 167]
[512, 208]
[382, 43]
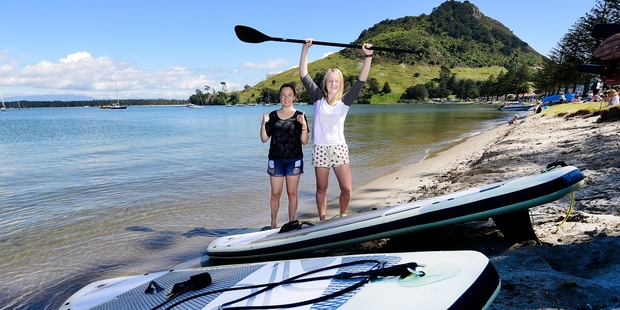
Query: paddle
[251, 35]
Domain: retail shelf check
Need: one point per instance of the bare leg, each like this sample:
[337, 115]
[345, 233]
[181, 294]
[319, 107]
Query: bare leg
[292, 185]
[322, 179]
[343, 174]
[274, 202]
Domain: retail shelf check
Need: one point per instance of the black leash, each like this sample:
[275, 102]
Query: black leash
[402, 270]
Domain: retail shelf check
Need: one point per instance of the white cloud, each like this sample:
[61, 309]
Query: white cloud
[82, 74]
[327, 54]
[269, 64]
[193, 83]
[76, 57]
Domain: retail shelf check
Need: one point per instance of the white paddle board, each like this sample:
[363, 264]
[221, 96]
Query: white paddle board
[416, 280]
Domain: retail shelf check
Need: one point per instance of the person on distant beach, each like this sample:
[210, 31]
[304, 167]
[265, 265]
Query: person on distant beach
[562, 97]
[513, 120]
[597, 98]
[538, 107]
[614, 99]
[331, 105]
[288, 130]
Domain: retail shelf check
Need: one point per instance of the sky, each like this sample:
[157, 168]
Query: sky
[164, 49]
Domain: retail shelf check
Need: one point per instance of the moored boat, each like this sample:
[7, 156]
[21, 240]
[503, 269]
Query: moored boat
[517, 106]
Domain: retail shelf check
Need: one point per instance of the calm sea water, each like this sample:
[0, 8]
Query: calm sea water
[88, 194]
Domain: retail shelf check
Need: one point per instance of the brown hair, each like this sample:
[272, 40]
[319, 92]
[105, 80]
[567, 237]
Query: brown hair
[291, 86]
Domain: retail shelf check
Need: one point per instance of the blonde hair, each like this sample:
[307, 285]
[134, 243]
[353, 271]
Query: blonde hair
[338, 95]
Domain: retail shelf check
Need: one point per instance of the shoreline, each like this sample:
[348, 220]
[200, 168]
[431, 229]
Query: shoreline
[398, 186]
[573, 265]
[401, 186]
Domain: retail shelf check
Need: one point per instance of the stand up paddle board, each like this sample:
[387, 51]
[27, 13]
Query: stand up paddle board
[473, 204]
[415, 280]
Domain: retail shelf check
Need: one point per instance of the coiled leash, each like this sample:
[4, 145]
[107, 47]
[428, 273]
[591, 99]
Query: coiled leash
[401, 270]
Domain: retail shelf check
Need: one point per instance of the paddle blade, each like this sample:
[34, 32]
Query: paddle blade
[250, 35]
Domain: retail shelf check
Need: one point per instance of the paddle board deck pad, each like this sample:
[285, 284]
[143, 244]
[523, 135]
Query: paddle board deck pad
[468, 205]
[414, 280]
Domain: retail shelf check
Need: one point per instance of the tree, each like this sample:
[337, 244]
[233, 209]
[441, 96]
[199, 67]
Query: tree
[433, 90]
[465, 89]
[576, 47]
[304, 97]
[220, 98]
[500, 89]
[234, 98]
[199, 95]
[444, 80]
[522, 80]
[544, 78]
[486, 89]
[417, 92]
[386, 88]
[269, 95]
[373, 85]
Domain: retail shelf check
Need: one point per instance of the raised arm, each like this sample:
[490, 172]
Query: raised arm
[303, 59]
[367, 61]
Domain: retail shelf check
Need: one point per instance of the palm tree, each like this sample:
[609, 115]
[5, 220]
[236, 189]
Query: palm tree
[199, 95]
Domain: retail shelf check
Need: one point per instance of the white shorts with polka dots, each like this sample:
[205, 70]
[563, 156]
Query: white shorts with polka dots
[330, 156]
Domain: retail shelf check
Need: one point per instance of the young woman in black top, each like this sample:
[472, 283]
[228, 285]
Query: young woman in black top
[288, 130]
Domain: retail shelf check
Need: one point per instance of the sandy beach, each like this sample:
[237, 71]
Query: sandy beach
[572, 266]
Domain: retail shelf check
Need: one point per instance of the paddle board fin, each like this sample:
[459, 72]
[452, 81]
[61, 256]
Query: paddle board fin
[516, 226]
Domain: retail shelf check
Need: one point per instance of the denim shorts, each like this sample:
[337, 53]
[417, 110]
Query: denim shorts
[283, 167]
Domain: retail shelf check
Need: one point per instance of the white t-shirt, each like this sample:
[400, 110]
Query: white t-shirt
[328, 121]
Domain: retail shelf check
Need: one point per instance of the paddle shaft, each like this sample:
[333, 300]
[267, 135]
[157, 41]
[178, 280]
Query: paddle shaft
[374, 48]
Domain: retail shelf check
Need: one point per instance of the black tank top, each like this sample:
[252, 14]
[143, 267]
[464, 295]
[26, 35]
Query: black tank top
[285, 136]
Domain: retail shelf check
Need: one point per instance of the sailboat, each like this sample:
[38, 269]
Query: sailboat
[117, 105]
[3, 108]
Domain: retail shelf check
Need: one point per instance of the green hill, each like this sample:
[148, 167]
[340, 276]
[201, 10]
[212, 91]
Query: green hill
[456, 35]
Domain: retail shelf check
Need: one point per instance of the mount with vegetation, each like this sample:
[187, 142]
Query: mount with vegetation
[456, 36]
